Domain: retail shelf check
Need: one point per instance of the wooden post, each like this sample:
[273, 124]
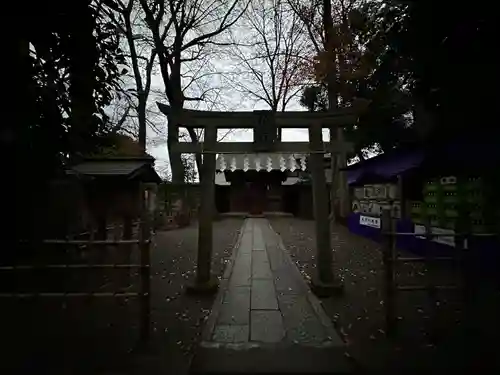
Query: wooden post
[204, 282]
[467, 281]
[99, 255]
[431, 287]
[399, 198]
[127, 227]
[325, 284]
[461, 263]
[388, 230]
[343, 190]
[102, 230]
[144, 247]
[127, 249]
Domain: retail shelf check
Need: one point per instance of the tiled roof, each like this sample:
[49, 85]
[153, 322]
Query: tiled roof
[126, 167]
[114, 168]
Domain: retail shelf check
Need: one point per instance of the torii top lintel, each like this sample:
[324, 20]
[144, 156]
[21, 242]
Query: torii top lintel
[247, 120]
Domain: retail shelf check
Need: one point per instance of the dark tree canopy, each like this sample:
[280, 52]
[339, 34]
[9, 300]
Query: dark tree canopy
[67, 64]
[68, 57]
[447, 52]
[432, 76]
[370, 74]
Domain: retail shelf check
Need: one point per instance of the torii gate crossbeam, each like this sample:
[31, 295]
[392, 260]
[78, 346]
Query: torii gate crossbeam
[265, 125]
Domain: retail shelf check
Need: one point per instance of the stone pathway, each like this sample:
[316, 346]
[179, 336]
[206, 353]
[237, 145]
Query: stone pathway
[265, 318]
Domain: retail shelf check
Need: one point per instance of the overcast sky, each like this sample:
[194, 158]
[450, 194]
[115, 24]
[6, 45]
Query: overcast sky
[224, 76]
[230, 100]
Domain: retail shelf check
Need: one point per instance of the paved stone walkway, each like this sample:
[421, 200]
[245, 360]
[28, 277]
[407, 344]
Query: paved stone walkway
[265, 318]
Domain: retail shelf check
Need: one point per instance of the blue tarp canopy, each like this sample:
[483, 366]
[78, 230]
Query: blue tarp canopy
[473, 153]
[385, 166]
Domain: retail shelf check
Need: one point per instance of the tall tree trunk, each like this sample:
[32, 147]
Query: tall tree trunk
[141, 117]
[342, 188]
[82, 75]
[173, 137]
[197, 157]
[331, 79]
[177, 104]
[141, 93]
[16, 141]
[176, 100]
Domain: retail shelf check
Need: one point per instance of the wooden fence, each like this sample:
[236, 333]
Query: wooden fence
[391, 261]
[128, 251]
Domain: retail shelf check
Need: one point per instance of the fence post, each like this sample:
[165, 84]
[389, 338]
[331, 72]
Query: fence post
[144, 244]
[102, 226]
[431, 287]
[127, 249]
[388, 230]
[466, 268]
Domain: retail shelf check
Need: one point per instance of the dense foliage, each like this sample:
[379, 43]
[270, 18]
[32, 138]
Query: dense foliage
[419, 65]
[69, 60]
[67, 65]
[367, 70]
[445, 50]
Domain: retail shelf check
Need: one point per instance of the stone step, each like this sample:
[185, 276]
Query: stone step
[289, 359]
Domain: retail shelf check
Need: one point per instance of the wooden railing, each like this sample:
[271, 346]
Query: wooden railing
[391, 260]
[83, 242]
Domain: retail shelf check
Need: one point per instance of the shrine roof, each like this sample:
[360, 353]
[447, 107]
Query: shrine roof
[130, 167]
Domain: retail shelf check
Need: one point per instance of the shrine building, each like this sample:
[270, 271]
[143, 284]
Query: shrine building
[263, 183]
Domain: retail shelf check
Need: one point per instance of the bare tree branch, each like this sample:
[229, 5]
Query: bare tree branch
[181, 31]
[270, 69]
[127, 18]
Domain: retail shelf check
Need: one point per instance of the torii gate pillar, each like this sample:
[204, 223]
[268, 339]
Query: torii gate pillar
[267, 123]
[205, 282]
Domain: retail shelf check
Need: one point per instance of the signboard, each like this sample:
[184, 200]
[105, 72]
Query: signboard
[392, 191]
[447, 238]
[368, 192]
[380, 191]
[396, 210]
[355, 207]
[359, 193]
[364, 207]
[266, 133]
[369, 221]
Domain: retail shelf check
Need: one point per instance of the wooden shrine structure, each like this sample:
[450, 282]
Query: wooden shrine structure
[266, 126]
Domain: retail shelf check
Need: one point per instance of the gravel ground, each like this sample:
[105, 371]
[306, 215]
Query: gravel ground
[177, 317]
[421, 341]
[100, 335]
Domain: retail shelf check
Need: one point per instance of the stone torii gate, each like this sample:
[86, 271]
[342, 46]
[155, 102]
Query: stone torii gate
[266, 125]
